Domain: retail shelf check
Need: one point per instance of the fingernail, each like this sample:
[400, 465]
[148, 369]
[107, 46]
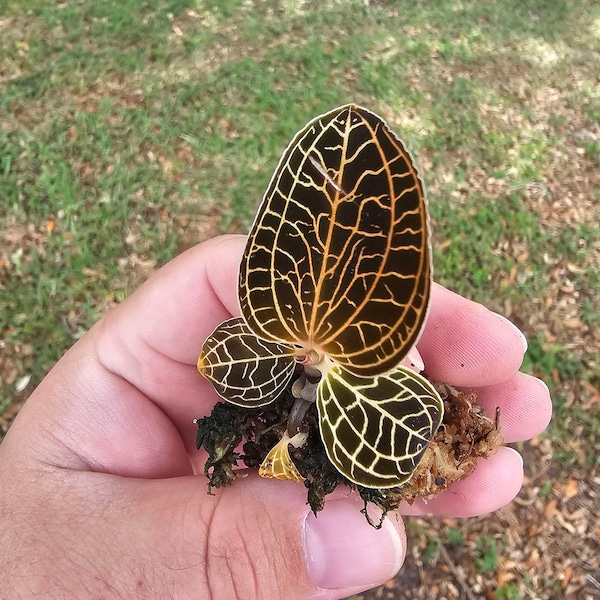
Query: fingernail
[517, 454]
[344, 551]
[518, 331]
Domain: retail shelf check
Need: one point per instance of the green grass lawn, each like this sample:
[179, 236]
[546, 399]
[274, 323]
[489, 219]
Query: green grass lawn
[130, 131]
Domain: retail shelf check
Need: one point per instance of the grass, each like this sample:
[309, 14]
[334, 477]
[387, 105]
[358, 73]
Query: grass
[130, 131]
[486, 554]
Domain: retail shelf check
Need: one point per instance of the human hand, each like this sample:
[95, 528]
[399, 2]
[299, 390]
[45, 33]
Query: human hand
[99, 495]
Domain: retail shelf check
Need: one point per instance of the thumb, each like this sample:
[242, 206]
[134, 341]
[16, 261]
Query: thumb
[254, 539]
[261, 540]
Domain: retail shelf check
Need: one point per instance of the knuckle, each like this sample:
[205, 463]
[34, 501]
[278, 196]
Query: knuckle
[248, 556]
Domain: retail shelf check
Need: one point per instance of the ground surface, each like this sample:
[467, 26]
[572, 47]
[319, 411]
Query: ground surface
[131, 131]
